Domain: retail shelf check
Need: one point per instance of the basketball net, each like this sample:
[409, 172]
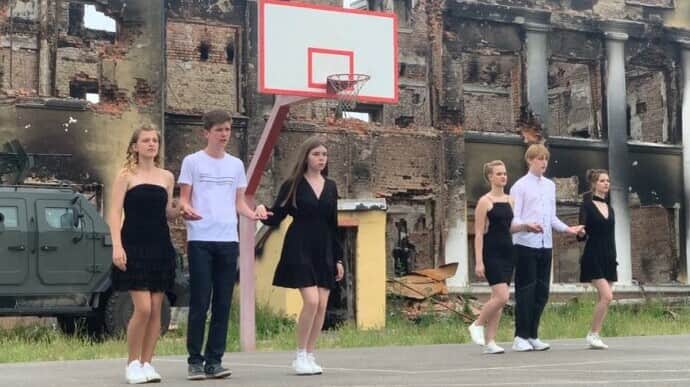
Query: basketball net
[346, 87]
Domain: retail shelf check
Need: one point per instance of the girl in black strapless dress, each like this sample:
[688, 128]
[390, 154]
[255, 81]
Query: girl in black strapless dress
[598, 264]
[143, 255]
[493, 247]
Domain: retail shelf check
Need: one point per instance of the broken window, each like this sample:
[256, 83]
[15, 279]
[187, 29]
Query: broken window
[84, 89]
[571, 100]
[403, 9]
[86, 21]
[95, 20]
[230, 53]
[204, 51]
[364, 112]
[647, 105]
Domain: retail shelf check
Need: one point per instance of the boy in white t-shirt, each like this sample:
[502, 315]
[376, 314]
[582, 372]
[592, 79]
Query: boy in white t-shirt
[212, 184]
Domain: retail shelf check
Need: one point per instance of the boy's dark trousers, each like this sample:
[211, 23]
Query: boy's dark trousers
[212, 276]
[532, 279]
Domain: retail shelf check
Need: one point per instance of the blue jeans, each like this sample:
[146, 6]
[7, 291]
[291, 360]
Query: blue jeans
[212, 276]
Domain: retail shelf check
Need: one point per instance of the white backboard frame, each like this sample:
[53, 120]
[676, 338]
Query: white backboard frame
[301, 44]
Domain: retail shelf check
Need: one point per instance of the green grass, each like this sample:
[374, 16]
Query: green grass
[32, 343]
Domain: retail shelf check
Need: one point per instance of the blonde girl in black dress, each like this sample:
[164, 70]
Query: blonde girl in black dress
[598, 263]
[143, 255]
[311, 258]
[493, 247]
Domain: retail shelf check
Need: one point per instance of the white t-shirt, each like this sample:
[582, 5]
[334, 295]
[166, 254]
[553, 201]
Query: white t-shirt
[214, 188]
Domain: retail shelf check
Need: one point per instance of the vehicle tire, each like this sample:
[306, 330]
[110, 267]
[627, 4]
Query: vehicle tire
[118, 310]
[69, 325]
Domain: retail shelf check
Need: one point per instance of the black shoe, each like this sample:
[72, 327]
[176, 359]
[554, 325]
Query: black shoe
[217, 371]
[196, 372]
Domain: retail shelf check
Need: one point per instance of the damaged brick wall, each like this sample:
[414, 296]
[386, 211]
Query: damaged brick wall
[487, 59]
[122, 67]
[201, 67]
[655, 255]
[18, 47]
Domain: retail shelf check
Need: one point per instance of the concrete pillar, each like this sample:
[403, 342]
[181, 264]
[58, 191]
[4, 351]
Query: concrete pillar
[616, 105]
[44, 73]
[685, 53]
[536, 36]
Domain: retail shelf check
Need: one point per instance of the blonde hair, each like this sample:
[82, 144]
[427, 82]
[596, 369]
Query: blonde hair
[489, 168]
[593, 176]
[132, 157]
[536, 151]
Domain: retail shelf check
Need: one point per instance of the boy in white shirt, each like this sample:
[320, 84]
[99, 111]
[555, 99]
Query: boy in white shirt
[212, 184]
[535, 203]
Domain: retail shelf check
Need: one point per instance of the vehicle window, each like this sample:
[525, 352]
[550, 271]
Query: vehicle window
[10, 216]
[59, 217]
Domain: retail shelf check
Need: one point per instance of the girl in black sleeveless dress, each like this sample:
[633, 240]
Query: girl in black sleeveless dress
[493, 249]
[311, 258]
[143, 255]
[498, 244]
[598, 264]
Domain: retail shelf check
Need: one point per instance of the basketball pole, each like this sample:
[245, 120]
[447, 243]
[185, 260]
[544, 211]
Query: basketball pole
[264, 148]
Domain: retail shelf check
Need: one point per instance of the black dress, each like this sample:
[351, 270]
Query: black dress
[498, 245]
[146, 241]
[599, 257]
[311, 247]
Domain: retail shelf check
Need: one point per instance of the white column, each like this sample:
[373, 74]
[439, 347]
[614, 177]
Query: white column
[536, 40]
[618, 149]
[686, 152]
[457, 250]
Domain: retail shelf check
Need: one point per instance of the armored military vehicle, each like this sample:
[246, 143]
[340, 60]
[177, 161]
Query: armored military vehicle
[56, 254]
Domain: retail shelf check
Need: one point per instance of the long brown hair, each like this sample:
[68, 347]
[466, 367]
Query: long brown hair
[593, 177]
[301, 165]
[132, 158]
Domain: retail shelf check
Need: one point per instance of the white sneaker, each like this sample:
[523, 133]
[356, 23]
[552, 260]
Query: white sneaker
[538, 345]
[302, 365]
[595, 342]
[150, 373]
[521, 345]
[316, 368]
[476, 333]
[492, 349]
[134, 373]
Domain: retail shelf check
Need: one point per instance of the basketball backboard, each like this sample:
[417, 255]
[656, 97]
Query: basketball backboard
[300, 45]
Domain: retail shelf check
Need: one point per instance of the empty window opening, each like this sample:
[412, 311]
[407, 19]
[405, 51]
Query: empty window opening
[404, 121]
[356, 4]
[82, 89]
[364, 112]
[230, 53]
[93, 97]
[403, 9]
[401, 69]
[362, 116]
[204, 51]
[96, 20]
[76, 19]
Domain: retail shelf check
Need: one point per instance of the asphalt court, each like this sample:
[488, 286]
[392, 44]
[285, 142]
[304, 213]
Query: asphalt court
[630, 361]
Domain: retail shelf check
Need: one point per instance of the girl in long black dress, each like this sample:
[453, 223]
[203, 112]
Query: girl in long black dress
[143, 255]
[598, 263]
[311, 257]
[493, 248]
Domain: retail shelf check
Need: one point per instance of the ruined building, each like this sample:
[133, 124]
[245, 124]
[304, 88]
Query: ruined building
[610, 79]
